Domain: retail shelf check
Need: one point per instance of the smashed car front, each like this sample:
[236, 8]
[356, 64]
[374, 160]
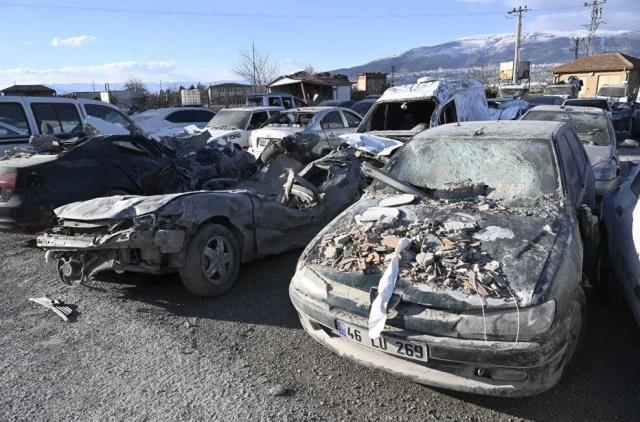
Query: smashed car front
[117, 233]
[481, 290]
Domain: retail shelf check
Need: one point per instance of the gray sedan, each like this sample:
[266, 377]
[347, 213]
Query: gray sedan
[313, 130]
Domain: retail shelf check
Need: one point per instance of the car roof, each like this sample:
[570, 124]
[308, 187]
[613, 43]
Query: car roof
[569, 109]
[520, 129]
[258, 108]
[585, 100]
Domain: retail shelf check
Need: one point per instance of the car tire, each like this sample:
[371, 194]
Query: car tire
[212, 261]
[577, 332]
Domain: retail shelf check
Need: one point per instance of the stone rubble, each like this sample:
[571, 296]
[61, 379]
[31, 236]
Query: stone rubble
[443, 254]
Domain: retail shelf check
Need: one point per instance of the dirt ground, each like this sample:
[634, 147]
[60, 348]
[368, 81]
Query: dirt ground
[143, 348]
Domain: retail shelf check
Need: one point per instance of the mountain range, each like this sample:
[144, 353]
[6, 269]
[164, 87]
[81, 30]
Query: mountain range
[541, 48]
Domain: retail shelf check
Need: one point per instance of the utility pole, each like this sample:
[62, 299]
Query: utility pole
[596, 20]
[516, 55]
[575, 47]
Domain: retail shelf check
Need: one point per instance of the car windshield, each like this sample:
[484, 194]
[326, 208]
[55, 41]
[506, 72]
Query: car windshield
[612, 91]
[230, 119]
[588, 103]
[511, 92]
[591, 128]
[516, 171]
[290, 119]
[399, 115]
[559, 90]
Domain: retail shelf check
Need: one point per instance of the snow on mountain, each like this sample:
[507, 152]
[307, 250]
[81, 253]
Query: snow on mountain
[491, 49]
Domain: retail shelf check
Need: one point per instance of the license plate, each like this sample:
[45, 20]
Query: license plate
[388, 344]
[263, 142]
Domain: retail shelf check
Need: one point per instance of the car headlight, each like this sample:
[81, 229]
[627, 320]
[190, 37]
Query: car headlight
[144, 222]
[309, 283]
[503, 324]
[605, 170]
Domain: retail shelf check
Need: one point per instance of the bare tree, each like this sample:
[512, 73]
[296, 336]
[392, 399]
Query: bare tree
[309, 70]
[257, 67]
[136, 85]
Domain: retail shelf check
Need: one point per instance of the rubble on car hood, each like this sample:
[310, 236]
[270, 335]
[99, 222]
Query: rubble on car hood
[460, 250]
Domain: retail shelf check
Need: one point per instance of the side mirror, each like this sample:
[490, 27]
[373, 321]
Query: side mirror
[588, 223]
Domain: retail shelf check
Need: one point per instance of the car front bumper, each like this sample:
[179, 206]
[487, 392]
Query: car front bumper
[489, 368]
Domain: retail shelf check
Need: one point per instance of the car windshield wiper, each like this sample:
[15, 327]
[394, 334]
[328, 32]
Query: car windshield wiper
[376, 173]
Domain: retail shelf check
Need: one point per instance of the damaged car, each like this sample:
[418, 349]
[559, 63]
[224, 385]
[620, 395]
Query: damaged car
[461, 265]
[315, 130]
[204, 235]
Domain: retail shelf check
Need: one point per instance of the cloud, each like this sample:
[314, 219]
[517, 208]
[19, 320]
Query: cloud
[78, 41]
[116, 72]
[27, 43]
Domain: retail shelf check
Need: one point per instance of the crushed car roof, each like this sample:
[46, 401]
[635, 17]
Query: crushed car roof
[501, 129]
[443, 88]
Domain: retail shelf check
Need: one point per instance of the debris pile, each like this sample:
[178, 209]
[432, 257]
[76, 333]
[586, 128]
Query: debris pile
[444, 254]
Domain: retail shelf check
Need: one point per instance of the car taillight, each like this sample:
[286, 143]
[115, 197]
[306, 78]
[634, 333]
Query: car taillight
[8, 181]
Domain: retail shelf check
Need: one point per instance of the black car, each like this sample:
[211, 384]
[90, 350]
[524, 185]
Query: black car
[33, 184]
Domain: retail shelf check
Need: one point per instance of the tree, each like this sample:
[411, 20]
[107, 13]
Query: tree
[257, 67]
[136, 85]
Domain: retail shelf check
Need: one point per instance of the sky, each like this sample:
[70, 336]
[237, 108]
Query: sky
[72, 41]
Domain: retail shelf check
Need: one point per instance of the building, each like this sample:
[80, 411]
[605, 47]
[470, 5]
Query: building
[231, 93]
[124, 99]
[29, 91]
[190, 97]
[313, 88]
[599, 69]
[371, 82]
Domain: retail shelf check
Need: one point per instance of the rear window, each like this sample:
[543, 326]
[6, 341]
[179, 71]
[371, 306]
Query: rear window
[190, 116]
[56, 118]
[13, 121]
[399, 115]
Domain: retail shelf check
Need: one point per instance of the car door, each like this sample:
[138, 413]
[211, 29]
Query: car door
[624, 239]
[332, 125]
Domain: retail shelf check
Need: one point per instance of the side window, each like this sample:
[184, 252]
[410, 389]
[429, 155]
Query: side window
[332, 120]
[569, 168]
[286, 102]
[56, 118]
[257, 120]
[107, 114]
[275, 101]
[352, 119]
[188, 116]
[13, 121]
[448, 114]
[578, 153]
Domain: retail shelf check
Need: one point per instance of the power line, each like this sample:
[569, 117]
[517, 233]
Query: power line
[206, 13]
[596, 20]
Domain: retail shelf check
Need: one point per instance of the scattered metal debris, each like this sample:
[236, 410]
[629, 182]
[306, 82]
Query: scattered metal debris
[61, 309]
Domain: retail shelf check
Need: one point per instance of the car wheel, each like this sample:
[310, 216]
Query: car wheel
[212, 261]
[577, 331]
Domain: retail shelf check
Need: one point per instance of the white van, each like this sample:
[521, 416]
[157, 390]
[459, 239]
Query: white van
[21, 117]
[275, 99]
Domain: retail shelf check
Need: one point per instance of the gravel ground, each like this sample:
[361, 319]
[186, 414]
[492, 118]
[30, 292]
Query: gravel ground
[142, 348]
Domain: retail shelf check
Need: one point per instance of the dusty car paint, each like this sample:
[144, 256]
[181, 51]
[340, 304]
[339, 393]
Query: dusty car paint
[150, 234]
[542, 262]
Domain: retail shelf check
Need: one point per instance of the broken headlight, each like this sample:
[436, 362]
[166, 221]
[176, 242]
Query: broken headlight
[144, 222]
[310, 284]
[604, 170]
[534, 322]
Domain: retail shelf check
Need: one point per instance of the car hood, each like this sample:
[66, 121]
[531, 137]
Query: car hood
[221, 133]
[597, 153]
[523, 257]
[116, 207]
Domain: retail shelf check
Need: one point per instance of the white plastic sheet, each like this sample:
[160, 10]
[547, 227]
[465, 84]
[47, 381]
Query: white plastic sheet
[378, 313]
[375, 145]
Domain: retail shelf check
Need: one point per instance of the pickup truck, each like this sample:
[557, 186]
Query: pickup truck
[21, 117]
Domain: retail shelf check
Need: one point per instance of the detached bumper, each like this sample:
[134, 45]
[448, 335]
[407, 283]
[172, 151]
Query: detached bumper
[493, 368]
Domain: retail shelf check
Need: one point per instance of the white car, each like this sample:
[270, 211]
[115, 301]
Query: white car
[21, 117]
[171, 121]
[620, 241]
[595, 130]
[236, 124]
